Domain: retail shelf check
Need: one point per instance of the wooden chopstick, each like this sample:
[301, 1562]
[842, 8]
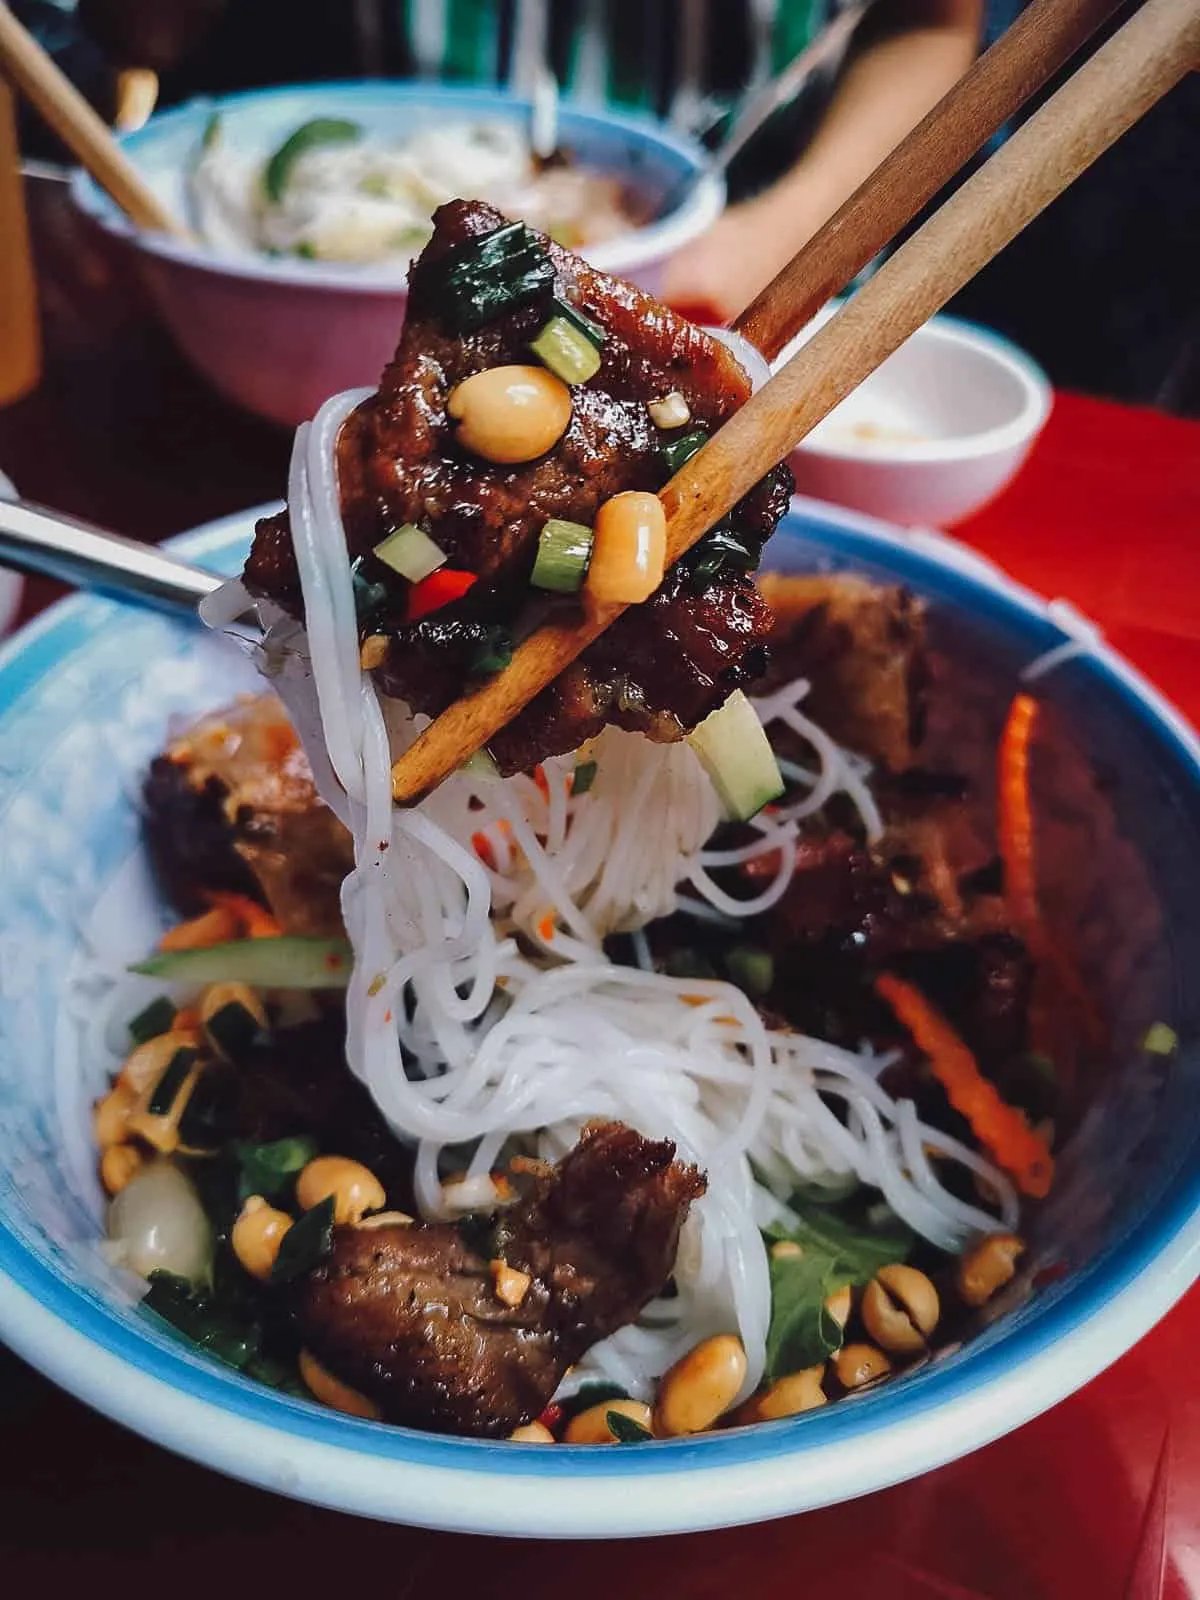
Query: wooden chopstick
[1042, 39]
[1134, 69]
[55, 97]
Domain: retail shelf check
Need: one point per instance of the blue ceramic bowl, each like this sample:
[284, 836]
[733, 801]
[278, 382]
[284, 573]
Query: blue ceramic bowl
[84, 697]
[279, 335]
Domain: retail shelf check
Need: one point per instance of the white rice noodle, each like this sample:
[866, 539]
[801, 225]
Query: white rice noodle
[465, 1039]
[1082, 638]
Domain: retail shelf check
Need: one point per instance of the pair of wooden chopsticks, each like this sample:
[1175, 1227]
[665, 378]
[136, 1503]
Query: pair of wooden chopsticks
[31, 71]
[1106, 96]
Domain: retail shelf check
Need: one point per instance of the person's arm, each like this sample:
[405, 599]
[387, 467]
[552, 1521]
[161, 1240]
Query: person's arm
[906, 55]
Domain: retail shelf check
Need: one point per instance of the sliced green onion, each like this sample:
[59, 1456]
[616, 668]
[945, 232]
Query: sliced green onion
[482, 279]
[583, 777]
[305, 1244]
[411, 552]
[587, 326]
[308, 136]
[212, 131]
[369, 595]
[736, 753]
[569, 354]
[233, 1029]
[751, 969]
[718, 554]
[677, 452]
[286, 962]
[1160, 1040]
[492, 654]
[564, 550]
[172, 1080]
[155, 1019]
[271, 1169]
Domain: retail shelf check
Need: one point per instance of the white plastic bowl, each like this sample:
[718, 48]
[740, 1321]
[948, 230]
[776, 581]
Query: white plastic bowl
[939, 430]
[280, 335]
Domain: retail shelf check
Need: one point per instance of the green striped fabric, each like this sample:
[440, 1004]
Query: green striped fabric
[682, 59]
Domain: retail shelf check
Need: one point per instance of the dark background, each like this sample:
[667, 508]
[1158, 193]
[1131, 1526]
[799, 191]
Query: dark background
[1102, 289]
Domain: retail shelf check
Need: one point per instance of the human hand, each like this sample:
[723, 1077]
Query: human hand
[721, 272]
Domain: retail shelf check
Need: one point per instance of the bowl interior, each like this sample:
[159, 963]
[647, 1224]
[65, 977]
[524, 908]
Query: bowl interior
[665, 171]
[85, 696]
[951, 389]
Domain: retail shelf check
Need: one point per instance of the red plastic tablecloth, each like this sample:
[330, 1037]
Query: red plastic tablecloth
[1099, 1498]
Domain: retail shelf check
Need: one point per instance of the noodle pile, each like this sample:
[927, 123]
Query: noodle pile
[484, 1015]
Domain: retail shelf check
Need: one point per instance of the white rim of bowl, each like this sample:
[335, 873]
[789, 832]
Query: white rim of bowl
[1036, 404]
[700, 208]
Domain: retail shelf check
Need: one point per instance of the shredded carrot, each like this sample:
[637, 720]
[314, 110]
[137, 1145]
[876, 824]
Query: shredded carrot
[279, 739]
[1014, 821]
[545, 927]
[543, 783]
[254, 922]
[482, 847]
[188, 1018]
[1002, 1129]
[211, 927]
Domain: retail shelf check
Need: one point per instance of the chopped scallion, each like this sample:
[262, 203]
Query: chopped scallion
[718, 554]
[583, 777]
[564, 550]
[492, 654]
[155, 1019]
[678, 452]
[369, 595]
[587, 326]
[569, 354]
[271, 1169]
[1160, 1040]
[751, 969]
[411, 552]
[168, 1086]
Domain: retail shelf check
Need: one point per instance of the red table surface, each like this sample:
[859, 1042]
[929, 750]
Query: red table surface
[1098, 1498]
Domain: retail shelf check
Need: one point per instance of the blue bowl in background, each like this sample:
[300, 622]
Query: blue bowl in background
[279, 335]
[85, 693]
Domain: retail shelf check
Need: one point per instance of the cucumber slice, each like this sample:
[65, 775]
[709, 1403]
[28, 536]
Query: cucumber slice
[568, 353]
[411, 552]
[308, 136]
[286, 962]
[735, 752]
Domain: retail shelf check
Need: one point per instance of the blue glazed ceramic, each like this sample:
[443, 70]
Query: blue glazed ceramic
[86, 694]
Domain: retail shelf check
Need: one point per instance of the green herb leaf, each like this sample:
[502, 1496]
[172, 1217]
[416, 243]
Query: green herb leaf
[484, 278]
[305, 1244]
[308, 136]
[156, 1019]
[583, 777]
[625, 1430]
[677, 452]
[833, 1252]
[171, 1082]
[199, 1316]
[492, 654]
[233, 1029]
[272, 1169]
[589, 1395]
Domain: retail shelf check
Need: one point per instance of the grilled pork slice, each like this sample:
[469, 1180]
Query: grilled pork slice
[427, 1321]
[231, 805]
[668, 662]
